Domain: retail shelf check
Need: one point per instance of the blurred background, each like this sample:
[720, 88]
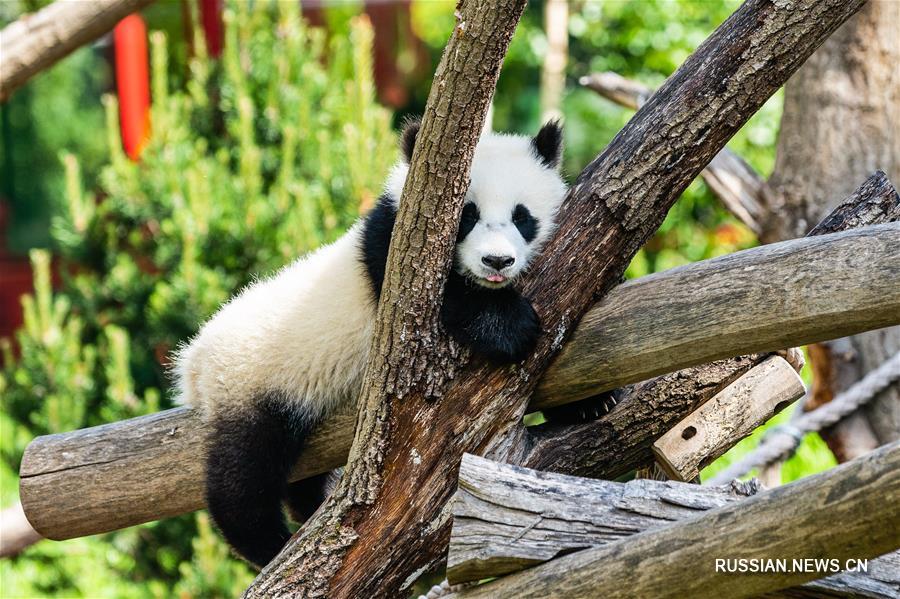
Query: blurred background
[147, 176]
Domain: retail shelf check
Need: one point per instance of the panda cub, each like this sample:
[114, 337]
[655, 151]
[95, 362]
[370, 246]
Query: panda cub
[289, 350]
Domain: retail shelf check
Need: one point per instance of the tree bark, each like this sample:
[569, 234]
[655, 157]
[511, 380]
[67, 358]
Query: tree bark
[793, 521]
[740, 188]
[364, 542]
[506, 519]
[147, 468]
[842, 119]
[37, 41]
[343, 550]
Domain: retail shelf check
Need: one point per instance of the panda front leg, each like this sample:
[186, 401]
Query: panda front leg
[500, 325]
[250, 453]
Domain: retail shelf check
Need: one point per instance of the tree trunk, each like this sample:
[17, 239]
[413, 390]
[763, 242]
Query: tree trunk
[383, 526]
[842, 120]
[344, 550]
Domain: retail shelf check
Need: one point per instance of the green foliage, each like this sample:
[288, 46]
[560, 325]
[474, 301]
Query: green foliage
[262, 156]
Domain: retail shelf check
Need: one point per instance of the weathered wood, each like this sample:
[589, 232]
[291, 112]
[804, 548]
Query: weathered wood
[740, 188]
[507, 518]
[37, 41]
[880, 581]
[742, 306]
[619, 442]
[151, 467]
[793, 521]
[734, 412]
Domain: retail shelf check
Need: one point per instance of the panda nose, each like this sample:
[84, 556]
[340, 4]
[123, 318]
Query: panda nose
[498, 262]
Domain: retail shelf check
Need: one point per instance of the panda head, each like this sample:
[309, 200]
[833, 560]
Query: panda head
[510, 208]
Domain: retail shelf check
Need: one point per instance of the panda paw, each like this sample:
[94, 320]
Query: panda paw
[507, 337]
[585, 410]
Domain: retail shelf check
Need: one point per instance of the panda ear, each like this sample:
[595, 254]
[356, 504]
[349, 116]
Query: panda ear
[547, 144]
[408, 137]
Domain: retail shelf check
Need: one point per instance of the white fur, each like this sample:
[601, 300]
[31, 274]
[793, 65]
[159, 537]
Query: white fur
[305, 331]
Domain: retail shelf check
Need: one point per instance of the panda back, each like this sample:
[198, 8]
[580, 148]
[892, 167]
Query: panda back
[303, 333]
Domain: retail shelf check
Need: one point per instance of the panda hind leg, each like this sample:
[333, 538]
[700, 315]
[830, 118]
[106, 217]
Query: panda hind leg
[250, 454]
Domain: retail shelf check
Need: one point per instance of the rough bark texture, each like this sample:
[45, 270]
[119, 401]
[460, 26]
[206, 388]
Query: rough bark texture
[147, 468]
[735, 412]
[506, 519]
[345, 550]
[740, 188]
[841, 120]
[795, 520]
[37, 41]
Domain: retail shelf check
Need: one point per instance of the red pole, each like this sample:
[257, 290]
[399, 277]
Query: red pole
[211, 18]
[132, 83]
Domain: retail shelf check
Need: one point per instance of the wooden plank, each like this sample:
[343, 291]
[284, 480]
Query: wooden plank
[734, 412]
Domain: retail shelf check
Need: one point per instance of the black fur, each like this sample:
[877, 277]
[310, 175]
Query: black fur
[467, 221]
[584, 410]
[247, 466]
[547, 144]
[525, 223]
[499, 324]
[408, 137]
[376, 239]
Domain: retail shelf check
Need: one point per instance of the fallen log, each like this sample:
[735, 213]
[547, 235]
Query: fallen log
[37, 41]
[791, 522]
[506, 519]
[146, 468]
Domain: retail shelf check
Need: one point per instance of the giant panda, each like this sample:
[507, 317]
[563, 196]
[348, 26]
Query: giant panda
[289, 350]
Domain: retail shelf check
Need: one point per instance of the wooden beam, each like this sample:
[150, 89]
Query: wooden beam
[850, 512]
[506, 519]
[151, 467]
[696, 314]
[37, 41]
[740, 188]
[734, 412]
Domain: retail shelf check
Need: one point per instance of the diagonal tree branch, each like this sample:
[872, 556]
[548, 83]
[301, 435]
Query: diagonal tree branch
[737, 185]
[37, 41]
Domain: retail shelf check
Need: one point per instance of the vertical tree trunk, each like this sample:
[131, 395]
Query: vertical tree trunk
[841, 122]
[553, 71]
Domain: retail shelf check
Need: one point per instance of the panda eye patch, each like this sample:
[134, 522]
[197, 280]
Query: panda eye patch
[468, 220]
[525, 223]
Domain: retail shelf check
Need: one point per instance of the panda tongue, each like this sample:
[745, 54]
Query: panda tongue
[496, 278]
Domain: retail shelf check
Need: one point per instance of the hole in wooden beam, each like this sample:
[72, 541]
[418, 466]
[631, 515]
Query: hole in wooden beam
[688, 433]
